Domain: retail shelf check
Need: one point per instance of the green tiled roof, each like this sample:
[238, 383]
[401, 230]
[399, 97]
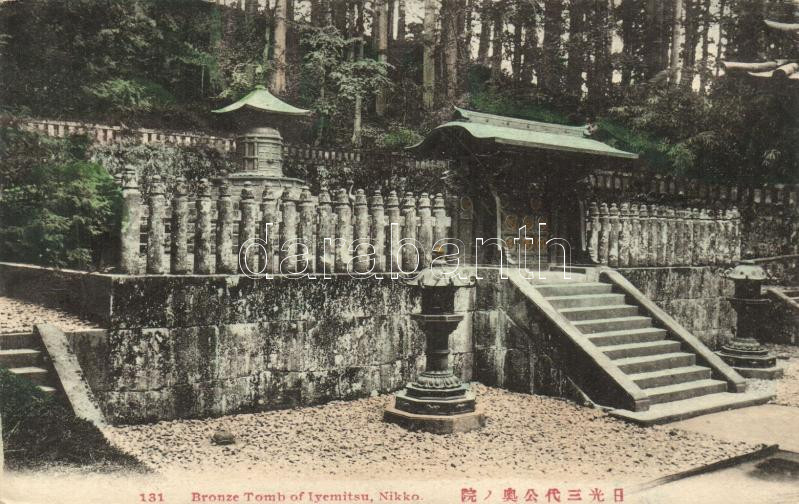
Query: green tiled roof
[261, 99]
[522, 133]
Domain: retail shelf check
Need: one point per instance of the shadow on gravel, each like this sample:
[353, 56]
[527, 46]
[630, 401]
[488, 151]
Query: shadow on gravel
[41, 433]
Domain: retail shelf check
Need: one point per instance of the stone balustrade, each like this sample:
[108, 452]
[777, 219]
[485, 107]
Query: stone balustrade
[630, 234]
[290, 230]
[605, 183]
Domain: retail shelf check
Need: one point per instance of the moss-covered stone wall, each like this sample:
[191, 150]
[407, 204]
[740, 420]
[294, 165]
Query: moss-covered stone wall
[695, 296]
[194, 346]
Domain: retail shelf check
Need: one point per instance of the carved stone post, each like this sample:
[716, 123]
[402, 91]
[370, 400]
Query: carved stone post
[327, 231]
[645, 240]
[203, 260]
[395, 225]
[156, 232]
[288, 228]
[613, 242]
[679, 237]
[179, 253]
[425, 231]
[225, 258]
[248, 256]
[604, 234]
[624, 235]
[307, 229]
[343, 230]
[635, 236]
[270, 232]
[409, 259]
[362, 261]
[378, 230]
[654, 236]
[593, 240]
[131, 224]
[439, 222]
[671, 237]
[736, 227]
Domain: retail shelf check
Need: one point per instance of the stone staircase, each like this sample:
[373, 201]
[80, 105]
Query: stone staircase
[676, 384]
[23, 354]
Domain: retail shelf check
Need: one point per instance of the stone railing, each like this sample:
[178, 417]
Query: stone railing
[608, 183]
[291, 230]
[297, 158]
[109, 134]
[650, 235]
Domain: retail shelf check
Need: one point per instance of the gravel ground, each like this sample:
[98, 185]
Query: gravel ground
[19, 316]
[526, 436]
[787, 387]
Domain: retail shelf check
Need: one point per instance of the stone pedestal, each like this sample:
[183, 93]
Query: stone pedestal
[437, 401]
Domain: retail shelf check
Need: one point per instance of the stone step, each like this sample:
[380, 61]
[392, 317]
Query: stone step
[37, 375]
[641, 349]
[19, 357]
[612, 324]
[18, 340]
[584, 300]
[47, 390]
[627, 336]
[689, 408]
[671, 376]
[599, 312]
[573, 288]
[634, 365]
[686, 390]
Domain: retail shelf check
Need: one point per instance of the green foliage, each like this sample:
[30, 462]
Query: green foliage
[57, 209]
[334, 80]
[134, 58]
[399, 137]
[167, 161]
[130, 96]
[525, 107]
[39, 431]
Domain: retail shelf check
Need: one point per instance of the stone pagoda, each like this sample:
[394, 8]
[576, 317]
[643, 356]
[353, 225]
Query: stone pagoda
[259, 144]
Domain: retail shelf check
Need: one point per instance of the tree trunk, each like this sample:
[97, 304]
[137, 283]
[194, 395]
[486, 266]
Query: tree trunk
[576, 49]
[468, 31]
[279, 72]
[449, 41]
[719, 43]
[703, 69]
[692, 13]
[602, 70]
[530, 47]
[628, 11]
[390, 20]
[496, 44]
[401, 20]
[428, 56]
[357, 127]
[550, 71]
[382, 50]
[516, 57]
[485, 32]
[676, 40]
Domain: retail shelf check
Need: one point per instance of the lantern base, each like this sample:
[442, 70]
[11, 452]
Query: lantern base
[769, 373]
[751, 363]
[436, 424]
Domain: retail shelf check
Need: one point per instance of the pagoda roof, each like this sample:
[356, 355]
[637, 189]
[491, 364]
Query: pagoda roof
[262, 100]
[522, 133]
